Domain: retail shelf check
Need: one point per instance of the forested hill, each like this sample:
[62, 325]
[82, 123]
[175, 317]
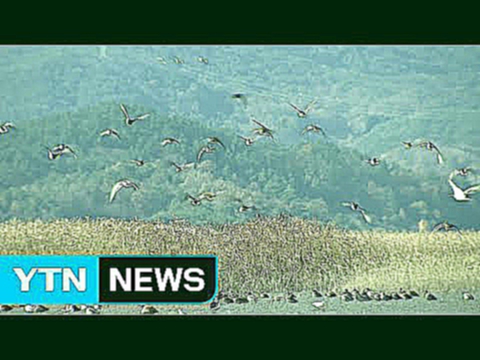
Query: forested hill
[309, 178]
[369, 100]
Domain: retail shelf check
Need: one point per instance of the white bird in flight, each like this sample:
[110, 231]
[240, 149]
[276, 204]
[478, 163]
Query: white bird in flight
[462, 195]
[355, 207]
[130, 120]
[428, 145]
[303, 112]
[5, 127]
[122, 184]
[110, 132]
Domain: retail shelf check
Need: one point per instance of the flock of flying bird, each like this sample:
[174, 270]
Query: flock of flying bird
[261, 131]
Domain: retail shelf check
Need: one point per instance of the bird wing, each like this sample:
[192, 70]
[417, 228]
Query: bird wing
[219, 141]
[176, 165]
[347, 204]
[365, 216]
[124, 110]
[133, 185]
[438, 227]
[322, 131]
[200, 154]
[104, 133]
[141, 117]
[457, 192]
[440, 158]
[305, 130]
[310, 106]
[116, 188]
[297, 109]
[472, 189]
[260, 124]
[70, 150]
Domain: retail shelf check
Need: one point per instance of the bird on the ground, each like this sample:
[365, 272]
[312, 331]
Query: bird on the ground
[131, 120]
[71, 309]
[5, 127]
[148, 309]
[356, 207]
[122, 184]
[6, 308]
[202, 59]
[314, 129]
[110, 132]
[262, 130]
[445, 226]
[462, 195]
[169, 140]
[318, 304]
[301, 113]
[35, 308]
[204, 150]
[182, 167]
[214, 305]
[429, 296]
[317, 293]
[331, 294]
[178, 60]
[467, 296]
[430, 146]
[246, 140]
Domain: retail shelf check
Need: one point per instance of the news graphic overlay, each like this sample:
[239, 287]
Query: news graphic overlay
[108, 279]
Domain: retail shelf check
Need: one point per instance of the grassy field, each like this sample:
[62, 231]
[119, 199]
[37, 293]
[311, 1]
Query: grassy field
[278, 255]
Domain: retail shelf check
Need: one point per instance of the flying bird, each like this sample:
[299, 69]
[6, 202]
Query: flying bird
[407, 144]
[169, 140]
[462, 195]
[130, 120]
[204, 150]
[110, 132]
[215, 140]
[428, 145]
[355, 207]
[240, 97]
[193, 200]
[246, 140]
[301, 113]
[313, 128]
[138, 162]
[122, 184]
[373, 161]
[262, 130]
[462, 172]
[5, 127]
[180, 168]
[60, 150]
[445, 226]
[209, 196]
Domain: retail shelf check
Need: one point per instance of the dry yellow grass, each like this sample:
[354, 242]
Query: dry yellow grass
[271, 254]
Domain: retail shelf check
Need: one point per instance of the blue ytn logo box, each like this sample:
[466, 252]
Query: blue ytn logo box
[39, 279]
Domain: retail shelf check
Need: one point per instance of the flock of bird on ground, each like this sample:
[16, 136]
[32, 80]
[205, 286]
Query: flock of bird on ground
[320, 301]
[260, 131]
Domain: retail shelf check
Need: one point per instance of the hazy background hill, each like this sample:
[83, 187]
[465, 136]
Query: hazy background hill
[369, 100]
